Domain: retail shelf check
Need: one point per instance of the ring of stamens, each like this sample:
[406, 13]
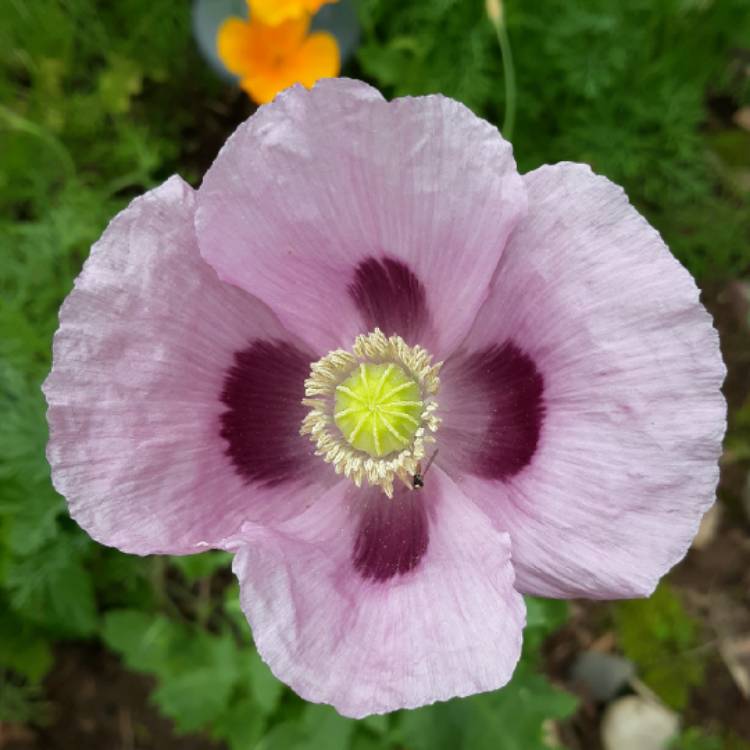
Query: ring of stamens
[372, 410]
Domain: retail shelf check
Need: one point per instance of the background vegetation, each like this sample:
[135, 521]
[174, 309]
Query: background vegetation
[101, 101]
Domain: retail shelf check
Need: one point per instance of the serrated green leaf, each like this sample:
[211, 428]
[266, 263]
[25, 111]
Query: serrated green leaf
[53, 588]
[198, 673]
[31, 510]
[195, 697]
[508, 719]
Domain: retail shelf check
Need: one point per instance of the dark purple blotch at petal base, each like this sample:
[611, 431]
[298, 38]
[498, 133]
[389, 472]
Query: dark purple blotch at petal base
[515, 388]
[263, 392]
[389, 296]
[502, 411]
[392, 535]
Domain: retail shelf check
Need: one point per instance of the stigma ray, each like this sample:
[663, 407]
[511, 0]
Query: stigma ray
[373, 410]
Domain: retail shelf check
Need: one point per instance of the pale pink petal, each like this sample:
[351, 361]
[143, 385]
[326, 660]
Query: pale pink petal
[174, 399]
[583, 412]
[343, 211]
[373, 604]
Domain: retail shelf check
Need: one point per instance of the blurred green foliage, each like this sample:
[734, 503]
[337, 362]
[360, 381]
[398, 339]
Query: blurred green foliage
[101, 101]
[695, 738]
[662, 639]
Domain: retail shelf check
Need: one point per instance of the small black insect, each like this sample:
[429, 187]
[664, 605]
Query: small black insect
[417, 481]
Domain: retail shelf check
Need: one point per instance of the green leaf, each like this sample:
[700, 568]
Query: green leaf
[325, 728]
[121, 580]
[144, 640]
[511, 718]
[697, 738]
[118, 84]
[31, 509]
[197, 671]
[545, 614]
[377, 723]
[660, 636]
[242, 725]
[196, 696]
[23, 649]
[233, 608]
[266, 689]
[543, 617]
[365, 742]
[318, 727]
[286, 735]
[203, 565]
[53, 588]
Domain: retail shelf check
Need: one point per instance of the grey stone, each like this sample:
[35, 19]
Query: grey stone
[602, 676]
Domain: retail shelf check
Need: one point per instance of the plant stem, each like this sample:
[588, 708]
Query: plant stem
[509, 75]
[16, 122]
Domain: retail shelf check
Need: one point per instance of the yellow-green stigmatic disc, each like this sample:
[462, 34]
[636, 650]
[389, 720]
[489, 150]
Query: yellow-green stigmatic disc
[378, 409]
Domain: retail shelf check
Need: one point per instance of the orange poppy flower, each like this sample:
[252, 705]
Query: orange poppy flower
[274, 12]
[269, 59]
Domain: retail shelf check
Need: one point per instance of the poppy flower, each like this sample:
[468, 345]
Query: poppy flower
[359, 290]
[269, 58]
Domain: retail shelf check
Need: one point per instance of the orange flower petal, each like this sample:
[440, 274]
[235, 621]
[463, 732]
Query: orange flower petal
[317, 58]
[273, 12]
[249, 46]
[234, 45]
[282, 40]
[262, 87]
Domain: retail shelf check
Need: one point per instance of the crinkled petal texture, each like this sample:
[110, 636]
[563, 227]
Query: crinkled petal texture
[343, 211]
[602, 371]
[373, 604]
[174, 399]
